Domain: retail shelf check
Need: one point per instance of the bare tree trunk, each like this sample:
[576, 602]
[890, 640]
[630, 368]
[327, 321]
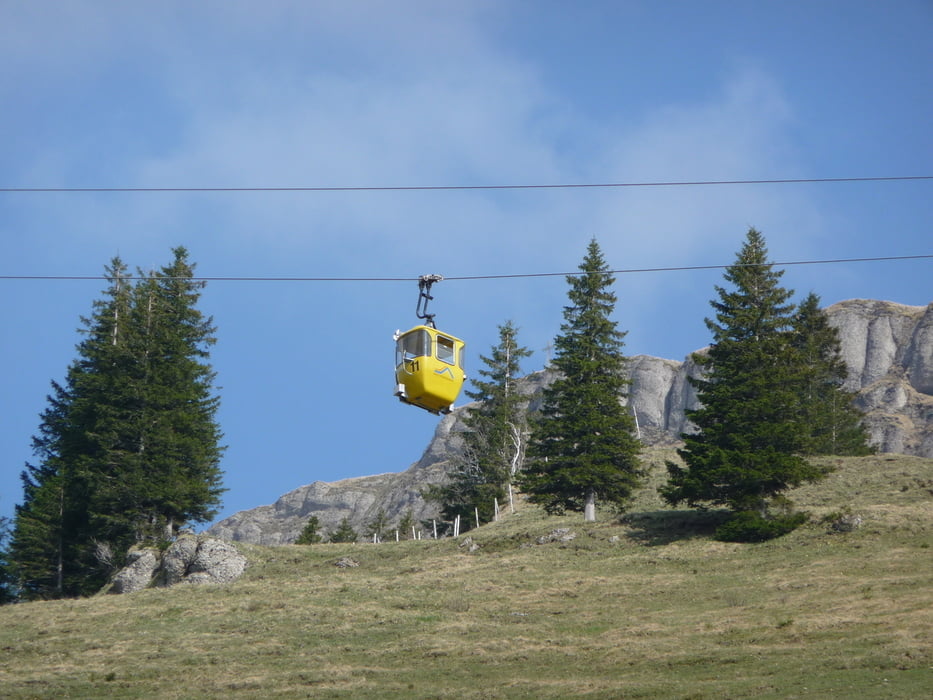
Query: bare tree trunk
[519, 436]
[589, 507]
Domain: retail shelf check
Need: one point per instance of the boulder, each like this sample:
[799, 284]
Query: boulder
[215, 561]
[191, 559]
[847, 522]
[561, 534]
[137, 574]
[176, 560]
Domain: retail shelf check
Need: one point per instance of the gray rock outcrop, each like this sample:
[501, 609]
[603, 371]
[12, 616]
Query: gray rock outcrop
[887, 347]
[358, 499]
[191, 559]
[137, 574]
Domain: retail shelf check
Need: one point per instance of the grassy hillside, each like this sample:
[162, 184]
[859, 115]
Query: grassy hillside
[648, 607]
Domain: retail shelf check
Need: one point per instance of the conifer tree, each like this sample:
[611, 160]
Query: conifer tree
[832, 421]
[499, 426]
[39, 548]
[495, 439]
[178, 438]
[747, 448]
[311, 534]
[344, 532]
[128, 447]
[53, 544]
[583, 446]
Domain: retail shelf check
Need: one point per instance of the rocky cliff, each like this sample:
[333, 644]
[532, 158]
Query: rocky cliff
[887, 347]
[358, 499]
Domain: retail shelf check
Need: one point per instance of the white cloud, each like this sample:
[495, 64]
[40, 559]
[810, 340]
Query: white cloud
[421, 97]
[741, 132]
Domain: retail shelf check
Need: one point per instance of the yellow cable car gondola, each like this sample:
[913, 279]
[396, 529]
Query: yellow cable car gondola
[428, 363]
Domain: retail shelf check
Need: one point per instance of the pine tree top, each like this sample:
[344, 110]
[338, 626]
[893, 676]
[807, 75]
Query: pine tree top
[757, 304]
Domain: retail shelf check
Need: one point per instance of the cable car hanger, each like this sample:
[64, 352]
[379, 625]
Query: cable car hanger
[424, 296]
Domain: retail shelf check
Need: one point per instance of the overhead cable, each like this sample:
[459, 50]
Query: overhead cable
[683, 268]
[423, 188]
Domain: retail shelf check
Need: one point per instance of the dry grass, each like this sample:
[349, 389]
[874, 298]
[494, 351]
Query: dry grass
[660, 612]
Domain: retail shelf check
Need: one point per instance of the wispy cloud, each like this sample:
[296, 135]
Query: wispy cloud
[375, 98]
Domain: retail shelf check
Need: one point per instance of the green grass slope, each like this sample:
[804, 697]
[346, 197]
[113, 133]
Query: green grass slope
[643, 607]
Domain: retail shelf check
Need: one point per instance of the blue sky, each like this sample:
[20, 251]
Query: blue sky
[109, 94]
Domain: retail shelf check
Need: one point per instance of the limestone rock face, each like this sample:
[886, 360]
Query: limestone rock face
[650, 393]
[887, 347]
[660, 394]
[876, 338]
[920, 354]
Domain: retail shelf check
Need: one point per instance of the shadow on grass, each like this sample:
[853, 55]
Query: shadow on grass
[662, 527]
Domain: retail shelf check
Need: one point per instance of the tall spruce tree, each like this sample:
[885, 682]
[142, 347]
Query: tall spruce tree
[53, 547]
[583, 446]
[495, 439]
[833, 423]
[749, 439]
[128, 447]
[499, 425]
[178, 440]
[40, 547]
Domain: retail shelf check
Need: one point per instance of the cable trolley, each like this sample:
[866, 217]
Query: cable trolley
[428, 363]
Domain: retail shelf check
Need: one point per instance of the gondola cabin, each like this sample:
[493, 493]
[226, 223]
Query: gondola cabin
[428, 368]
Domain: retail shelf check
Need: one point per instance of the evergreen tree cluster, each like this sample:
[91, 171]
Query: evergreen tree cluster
[128, 449]
[376, 529]
[771, 396]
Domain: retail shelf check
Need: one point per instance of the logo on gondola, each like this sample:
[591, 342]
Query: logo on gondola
[445, 370]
